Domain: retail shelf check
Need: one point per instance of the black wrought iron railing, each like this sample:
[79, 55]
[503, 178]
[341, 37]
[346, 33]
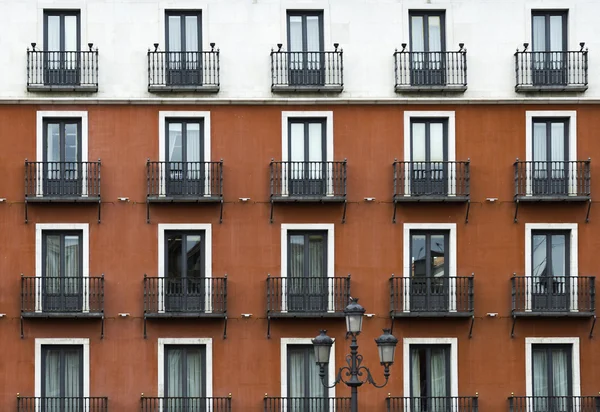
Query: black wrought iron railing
[308, 179]
[307, 404]
[185, 295]
[307, 69]
[554, 294]
[59, 295]
[436, 69]
[554, 403]
[551, 69]
[61, 404]
[432, 294]
[307, 294]
[552, 179]
[62, 69]
[431, 179]
[187, 404]
[183, 69]
[62, 179]
[433, 404]
[185, 179]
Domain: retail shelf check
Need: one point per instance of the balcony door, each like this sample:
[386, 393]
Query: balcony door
[307, 154]
[307, 271]
[185, 379]
[62, 378]
[185, 272]
[430, 378]
[305, 44]
[62, 281]
[429, 289]
[427, 46]
[552, 385]
[184, 47]
[429, 156]
[62, 174]
[550, 271]
[185, 150]
[549, 43]
[61, 39]
[306, 393]
[550, 168]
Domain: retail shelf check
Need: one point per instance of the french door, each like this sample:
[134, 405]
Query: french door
[307, 289]
[305, 44]
[549, 42]
[429, 155]
[62, 174]
[62, 378]
[185, 288]
[427, 46]
[184, 47]
[185, 379]
[550, 271]
[61, 38]
[430, 378]
[307, 168]
[552, 384]
[429, 288]
[550, 168]
[186, 171]
[306, 393]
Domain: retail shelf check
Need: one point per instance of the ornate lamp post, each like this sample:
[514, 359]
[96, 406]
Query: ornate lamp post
[386, 345]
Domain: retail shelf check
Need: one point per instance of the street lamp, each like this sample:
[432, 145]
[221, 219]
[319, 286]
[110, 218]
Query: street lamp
[386, 345]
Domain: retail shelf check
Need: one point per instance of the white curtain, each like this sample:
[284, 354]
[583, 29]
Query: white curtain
[302, 362]
[194, 380]
[72, 264]
[539, 151]
[174, 46]
[418, 142]
[53, 42]
[297, 380]
[175, 143]
[53, 150]
[297, 151]
[539, 33]
[556, 33]
[540, 380]
[315, 150]
[72, 381]
[67, 361]
[559, 269]
[296, 43]
[415, 380]
[438, 372]
[417, 37]
[192, 59]
[52, 282]
[557, 141]
[71, 151]
[313, 42]
[560, 378]
[175, 372]
[193, 150]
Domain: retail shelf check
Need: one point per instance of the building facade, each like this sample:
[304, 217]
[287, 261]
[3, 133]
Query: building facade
[193, 189]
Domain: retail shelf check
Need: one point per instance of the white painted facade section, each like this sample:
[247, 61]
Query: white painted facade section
[367, 31]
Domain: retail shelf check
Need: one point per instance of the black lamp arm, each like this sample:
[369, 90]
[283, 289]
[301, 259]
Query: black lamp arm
[369, 379]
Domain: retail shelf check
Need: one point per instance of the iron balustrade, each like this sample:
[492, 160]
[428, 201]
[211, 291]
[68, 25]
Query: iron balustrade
[306, 404]
[62, 295]
[554, 403]
[449, 180]
[62, 404]
[433, 404]
[551, 70]
[316, 295]
[442, 295]
[187, 404]
[435, 70]
[185, 295]
[308, 180]
[62, 180]
[554, 294]
[181, 70]
[308, 70]
[552, 180]
[185, 179]
[66, 70]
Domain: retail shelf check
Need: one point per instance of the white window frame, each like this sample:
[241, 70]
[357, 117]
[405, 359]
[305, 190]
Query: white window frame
[85, 259]
[453, 342]
[329, 227]
[162, 138]
[573, 255]
[42, 115]
[39, 342]
[549, 114]
[285, 118]
[285, 342]
[575, 378]
[407, 267]
[206, 342]
[207, 228]
[450, 117]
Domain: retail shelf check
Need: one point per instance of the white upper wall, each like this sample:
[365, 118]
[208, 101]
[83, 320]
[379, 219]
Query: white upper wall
[245, 31]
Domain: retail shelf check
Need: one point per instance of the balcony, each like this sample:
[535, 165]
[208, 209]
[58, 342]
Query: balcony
[430, 71]
[213, 404]
[62, 71]
[56, 182]
[304, 71]
[433, 404]
[552, 181]
[551, 71]
[36, 404]
[306, 404]
[183, 71]
[184, 182]
[554, 403]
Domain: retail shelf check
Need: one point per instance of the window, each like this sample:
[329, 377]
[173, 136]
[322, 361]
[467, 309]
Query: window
[427, 45]
[307, 153]
[62, 378]
[550, 270]
[430, 377]
[549, 44]
[552, 377]
[430, 289]
[550, 154]
[429, 154]
[307, 282]
[305, 45]
[61, 43]
[62, 157]
[306, 392]
[186, 169]
[185, 377]
[184, 47]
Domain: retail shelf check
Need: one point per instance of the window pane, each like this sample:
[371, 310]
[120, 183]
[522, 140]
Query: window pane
[560, 373]
[436, 142]
[52, 373]
[297, 142]
[540, 373]
[53, 143]
[53, 33]
[559, 263]
[418, 255]
[72, 377]
[175, 142]
[72, 262]
[297, 373]
[315, 386]
[435, 33]
[295, 33]
[417, 38]
[174, 254]
[53, 256]
[539, 141]
[193, 144]
[194, 256]
[438, 372]
[296, 252]
[557, 133]
[70, 33]
[191, 34]
[71, 143]
[539, 33]
[539, 255]
[418, 142]
[175, 376]
[313, 33]
[556, 33]
[316, 255]
[174, 33]
[194, 381]
[418, 381]
[438, 250]
[315, 142]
